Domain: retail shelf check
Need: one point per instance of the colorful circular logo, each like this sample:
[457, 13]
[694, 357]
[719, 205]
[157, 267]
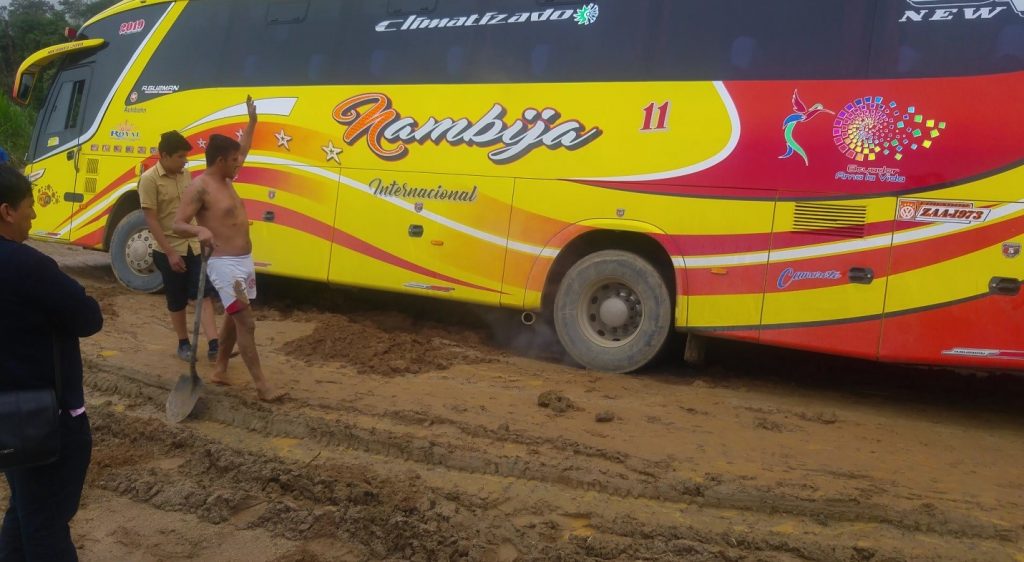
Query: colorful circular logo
[869, 127]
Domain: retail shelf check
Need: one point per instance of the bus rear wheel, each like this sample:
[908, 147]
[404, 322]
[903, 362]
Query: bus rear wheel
[613, 312]
[131, 254]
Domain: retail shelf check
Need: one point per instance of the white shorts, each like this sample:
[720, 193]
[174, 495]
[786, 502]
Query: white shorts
[224, 272]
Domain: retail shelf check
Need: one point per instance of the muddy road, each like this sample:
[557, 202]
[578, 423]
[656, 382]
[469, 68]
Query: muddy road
[417, 433]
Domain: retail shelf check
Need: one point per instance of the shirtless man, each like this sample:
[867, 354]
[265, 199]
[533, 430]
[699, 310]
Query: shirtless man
[224, 227]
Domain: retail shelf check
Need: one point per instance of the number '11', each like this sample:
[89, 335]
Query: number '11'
[659, 111]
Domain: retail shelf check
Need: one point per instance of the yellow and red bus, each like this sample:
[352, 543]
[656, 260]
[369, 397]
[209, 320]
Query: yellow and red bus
[841, 176]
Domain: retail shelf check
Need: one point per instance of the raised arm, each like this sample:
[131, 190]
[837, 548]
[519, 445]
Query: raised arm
[250, 130]
[191, 204]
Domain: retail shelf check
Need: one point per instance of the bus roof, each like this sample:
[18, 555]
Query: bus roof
[123, 6]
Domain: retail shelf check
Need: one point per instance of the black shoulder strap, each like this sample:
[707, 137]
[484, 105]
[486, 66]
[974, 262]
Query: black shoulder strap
[56, 369]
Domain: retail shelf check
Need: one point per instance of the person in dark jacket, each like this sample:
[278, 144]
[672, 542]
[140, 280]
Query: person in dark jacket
[44, 313]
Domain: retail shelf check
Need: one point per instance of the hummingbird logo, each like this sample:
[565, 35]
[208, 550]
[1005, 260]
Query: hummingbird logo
[801, 114]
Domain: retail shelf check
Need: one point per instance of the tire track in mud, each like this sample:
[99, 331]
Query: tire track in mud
[178, 469]
[332, 431]
[595, 470]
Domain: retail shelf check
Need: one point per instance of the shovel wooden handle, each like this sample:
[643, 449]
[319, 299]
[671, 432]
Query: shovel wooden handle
[200, 295]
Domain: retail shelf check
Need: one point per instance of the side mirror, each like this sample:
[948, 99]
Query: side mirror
[24, 91]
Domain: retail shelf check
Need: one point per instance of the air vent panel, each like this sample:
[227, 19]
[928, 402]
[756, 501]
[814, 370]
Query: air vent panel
[827, 219]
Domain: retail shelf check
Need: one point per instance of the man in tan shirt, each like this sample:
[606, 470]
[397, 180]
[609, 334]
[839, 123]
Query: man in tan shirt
[178, 259]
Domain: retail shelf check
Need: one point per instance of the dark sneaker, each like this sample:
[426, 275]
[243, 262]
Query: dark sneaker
[214, 350]
[185, 352]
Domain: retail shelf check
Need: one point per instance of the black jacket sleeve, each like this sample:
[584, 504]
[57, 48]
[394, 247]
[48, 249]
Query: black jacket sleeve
[60, 298]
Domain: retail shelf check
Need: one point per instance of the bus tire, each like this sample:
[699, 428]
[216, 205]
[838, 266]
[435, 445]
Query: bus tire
[612, 312]
[131, 254]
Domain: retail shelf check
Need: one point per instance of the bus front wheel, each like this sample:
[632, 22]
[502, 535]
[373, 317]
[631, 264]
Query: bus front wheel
[131, 254]
[613, 312]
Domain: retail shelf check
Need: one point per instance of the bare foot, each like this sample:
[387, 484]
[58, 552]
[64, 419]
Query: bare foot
[271, 395]
[220, 379]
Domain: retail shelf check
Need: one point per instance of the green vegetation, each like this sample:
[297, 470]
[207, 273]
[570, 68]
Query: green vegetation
[25, 27]
[15, 128]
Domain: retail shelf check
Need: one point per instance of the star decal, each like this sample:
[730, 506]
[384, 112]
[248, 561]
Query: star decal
[239, 134]
[202, 143]
[283, 139]
[332, 151]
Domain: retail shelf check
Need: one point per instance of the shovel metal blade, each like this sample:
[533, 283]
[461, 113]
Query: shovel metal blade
[185, 393]
[183, 397]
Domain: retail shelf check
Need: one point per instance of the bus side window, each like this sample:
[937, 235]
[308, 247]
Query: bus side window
[61, 103]
[743, 49]
[456, 61]
[962, 42]
[280, 12]
[63, 116]
[316, 69]
[907, 59]
[75, 111]
[378, 60]
[539, 58]
[406, 7]
[1009, 49]
[251, 67]
[756, 40]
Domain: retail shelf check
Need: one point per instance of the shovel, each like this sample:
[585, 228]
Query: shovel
[186, 391]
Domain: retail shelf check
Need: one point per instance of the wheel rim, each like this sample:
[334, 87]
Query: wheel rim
[138, 252]
[610, 313]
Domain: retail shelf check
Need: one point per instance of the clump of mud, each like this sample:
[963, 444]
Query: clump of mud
[556, 402]
[390, 344]
[605, 417]
[768, 424]
[824, 418]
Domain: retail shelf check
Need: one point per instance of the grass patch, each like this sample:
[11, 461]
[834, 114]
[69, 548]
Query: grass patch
[15, 129]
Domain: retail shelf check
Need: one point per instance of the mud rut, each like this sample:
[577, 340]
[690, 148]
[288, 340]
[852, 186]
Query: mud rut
[409, 484]
[401, 495]
[398, 494]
